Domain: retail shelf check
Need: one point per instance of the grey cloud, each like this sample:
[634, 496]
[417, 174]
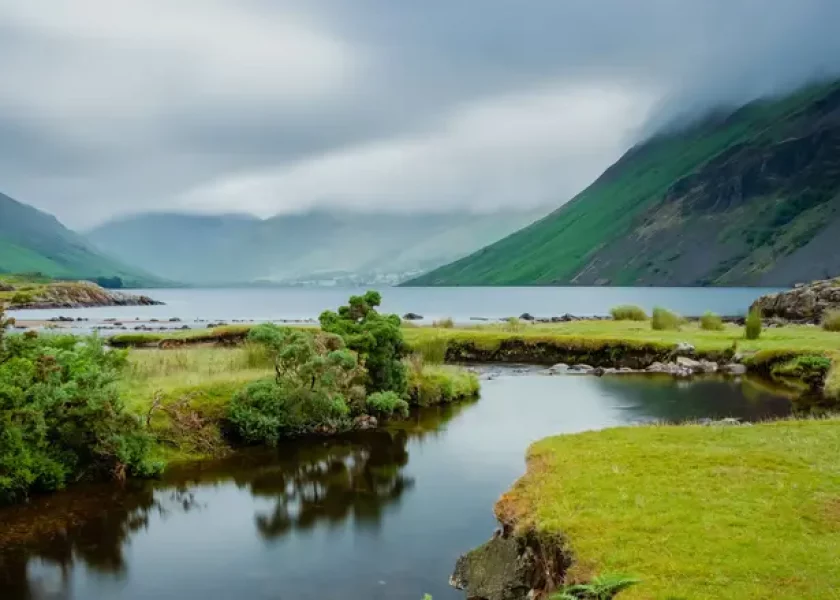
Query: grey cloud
[222, 105]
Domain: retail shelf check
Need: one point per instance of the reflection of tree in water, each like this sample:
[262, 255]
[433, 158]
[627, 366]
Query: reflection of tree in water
[326, 480]
[358, 476]
[88, 525]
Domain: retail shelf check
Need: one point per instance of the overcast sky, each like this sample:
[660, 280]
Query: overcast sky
[110, 107]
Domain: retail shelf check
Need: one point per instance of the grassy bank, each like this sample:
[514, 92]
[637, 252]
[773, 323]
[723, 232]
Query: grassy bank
[185, 392]
[599, 343]
[692, 511]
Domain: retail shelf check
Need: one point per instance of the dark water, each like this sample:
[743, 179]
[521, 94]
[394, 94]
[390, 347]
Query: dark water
[373, 516]
[433, 303]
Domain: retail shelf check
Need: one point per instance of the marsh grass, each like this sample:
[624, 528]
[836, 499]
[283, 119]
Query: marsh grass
[711, 322]
[665, 320]
[514, 325]
[432, 349]
[439, 384]
[831, 320]
[446, 323]
[628, 312]
[752, 330]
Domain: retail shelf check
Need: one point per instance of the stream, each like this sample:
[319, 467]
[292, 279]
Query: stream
[370, 516]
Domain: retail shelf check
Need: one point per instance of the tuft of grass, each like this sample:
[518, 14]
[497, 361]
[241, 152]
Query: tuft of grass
[514, 325]
[665, 320]
[432, 349]
[702, 492]
[628, 312]
[711, 322]
[439, 384]
[752, 331]
[831, 320]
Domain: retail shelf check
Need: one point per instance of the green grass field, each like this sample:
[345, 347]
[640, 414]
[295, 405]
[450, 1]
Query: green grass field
[694, 512]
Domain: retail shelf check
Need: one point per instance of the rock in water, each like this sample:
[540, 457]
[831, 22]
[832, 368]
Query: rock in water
[510, 567]
[803, 304]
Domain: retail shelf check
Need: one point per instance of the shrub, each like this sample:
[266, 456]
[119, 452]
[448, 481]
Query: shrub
[711, 322]
[446, 323]
[628, 312]
[22, 298]
[315, 383]
[377, 339]
[265, 411]
[387, 404]
[61, 417]
[831, 320]
[752, 330]
[665, 320]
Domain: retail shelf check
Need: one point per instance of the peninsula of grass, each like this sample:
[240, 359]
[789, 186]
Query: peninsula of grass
[184, 393]
[691, 511]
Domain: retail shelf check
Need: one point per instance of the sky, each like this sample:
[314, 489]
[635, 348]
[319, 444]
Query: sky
[109, 108]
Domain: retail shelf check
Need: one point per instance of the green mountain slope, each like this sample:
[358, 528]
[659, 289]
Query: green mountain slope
[33, 241]
[318, 245]
[748, 198]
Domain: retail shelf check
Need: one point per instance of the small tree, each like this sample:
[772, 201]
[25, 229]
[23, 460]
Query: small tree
[314, 385]
[753, 325]
[376, 338]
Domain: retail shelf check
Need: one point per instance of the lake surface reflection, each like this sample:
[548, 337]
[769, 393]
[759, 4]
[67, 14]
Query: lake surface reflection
[380, 515]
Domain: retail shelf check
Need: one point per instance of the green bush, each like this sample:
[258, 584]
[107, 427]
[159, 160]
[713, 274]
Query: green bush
[752, 330]
[61, 417]
[22, 298]
[387, 404]
[831, 320]
[628, 312]
[665, 320]
[316, 383]
[266, 411]
[711, 322]
[446, 323]
[377, 339]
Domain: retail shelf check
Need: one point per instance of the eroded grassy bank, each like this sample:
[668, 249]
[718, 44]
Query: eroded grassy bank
[775, 354]
[691, 511]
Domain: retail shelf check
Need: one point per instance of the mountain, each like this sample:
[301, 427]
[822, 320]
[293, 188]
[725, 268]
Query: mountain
[313, 247]
[751, 197]
[32, 241]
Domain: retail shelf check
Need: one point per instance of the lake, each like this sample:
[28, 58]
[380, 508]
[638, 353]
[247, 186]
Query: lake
[372, 516]
[461, 304]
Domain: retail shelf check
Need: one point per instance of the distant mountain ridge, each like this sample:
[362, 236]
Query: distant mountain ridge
[32, 241]
[314, 246]
[749, 198]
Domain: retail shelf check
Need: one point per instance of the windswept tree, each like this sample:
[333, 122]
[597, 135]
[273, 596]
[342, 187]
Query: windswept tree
[376, 338]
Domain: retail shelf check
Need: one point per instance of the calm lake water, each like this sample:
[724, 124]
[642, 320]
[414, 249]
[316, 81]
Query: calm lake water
[461, 304]
[369, 517]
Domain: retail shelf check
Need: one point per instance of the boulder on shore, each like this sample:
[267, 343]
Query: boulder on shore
[803, 304]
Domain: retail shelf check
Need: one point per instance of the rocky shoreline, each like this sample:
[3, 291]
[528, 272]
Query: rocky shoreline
[81, 294]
